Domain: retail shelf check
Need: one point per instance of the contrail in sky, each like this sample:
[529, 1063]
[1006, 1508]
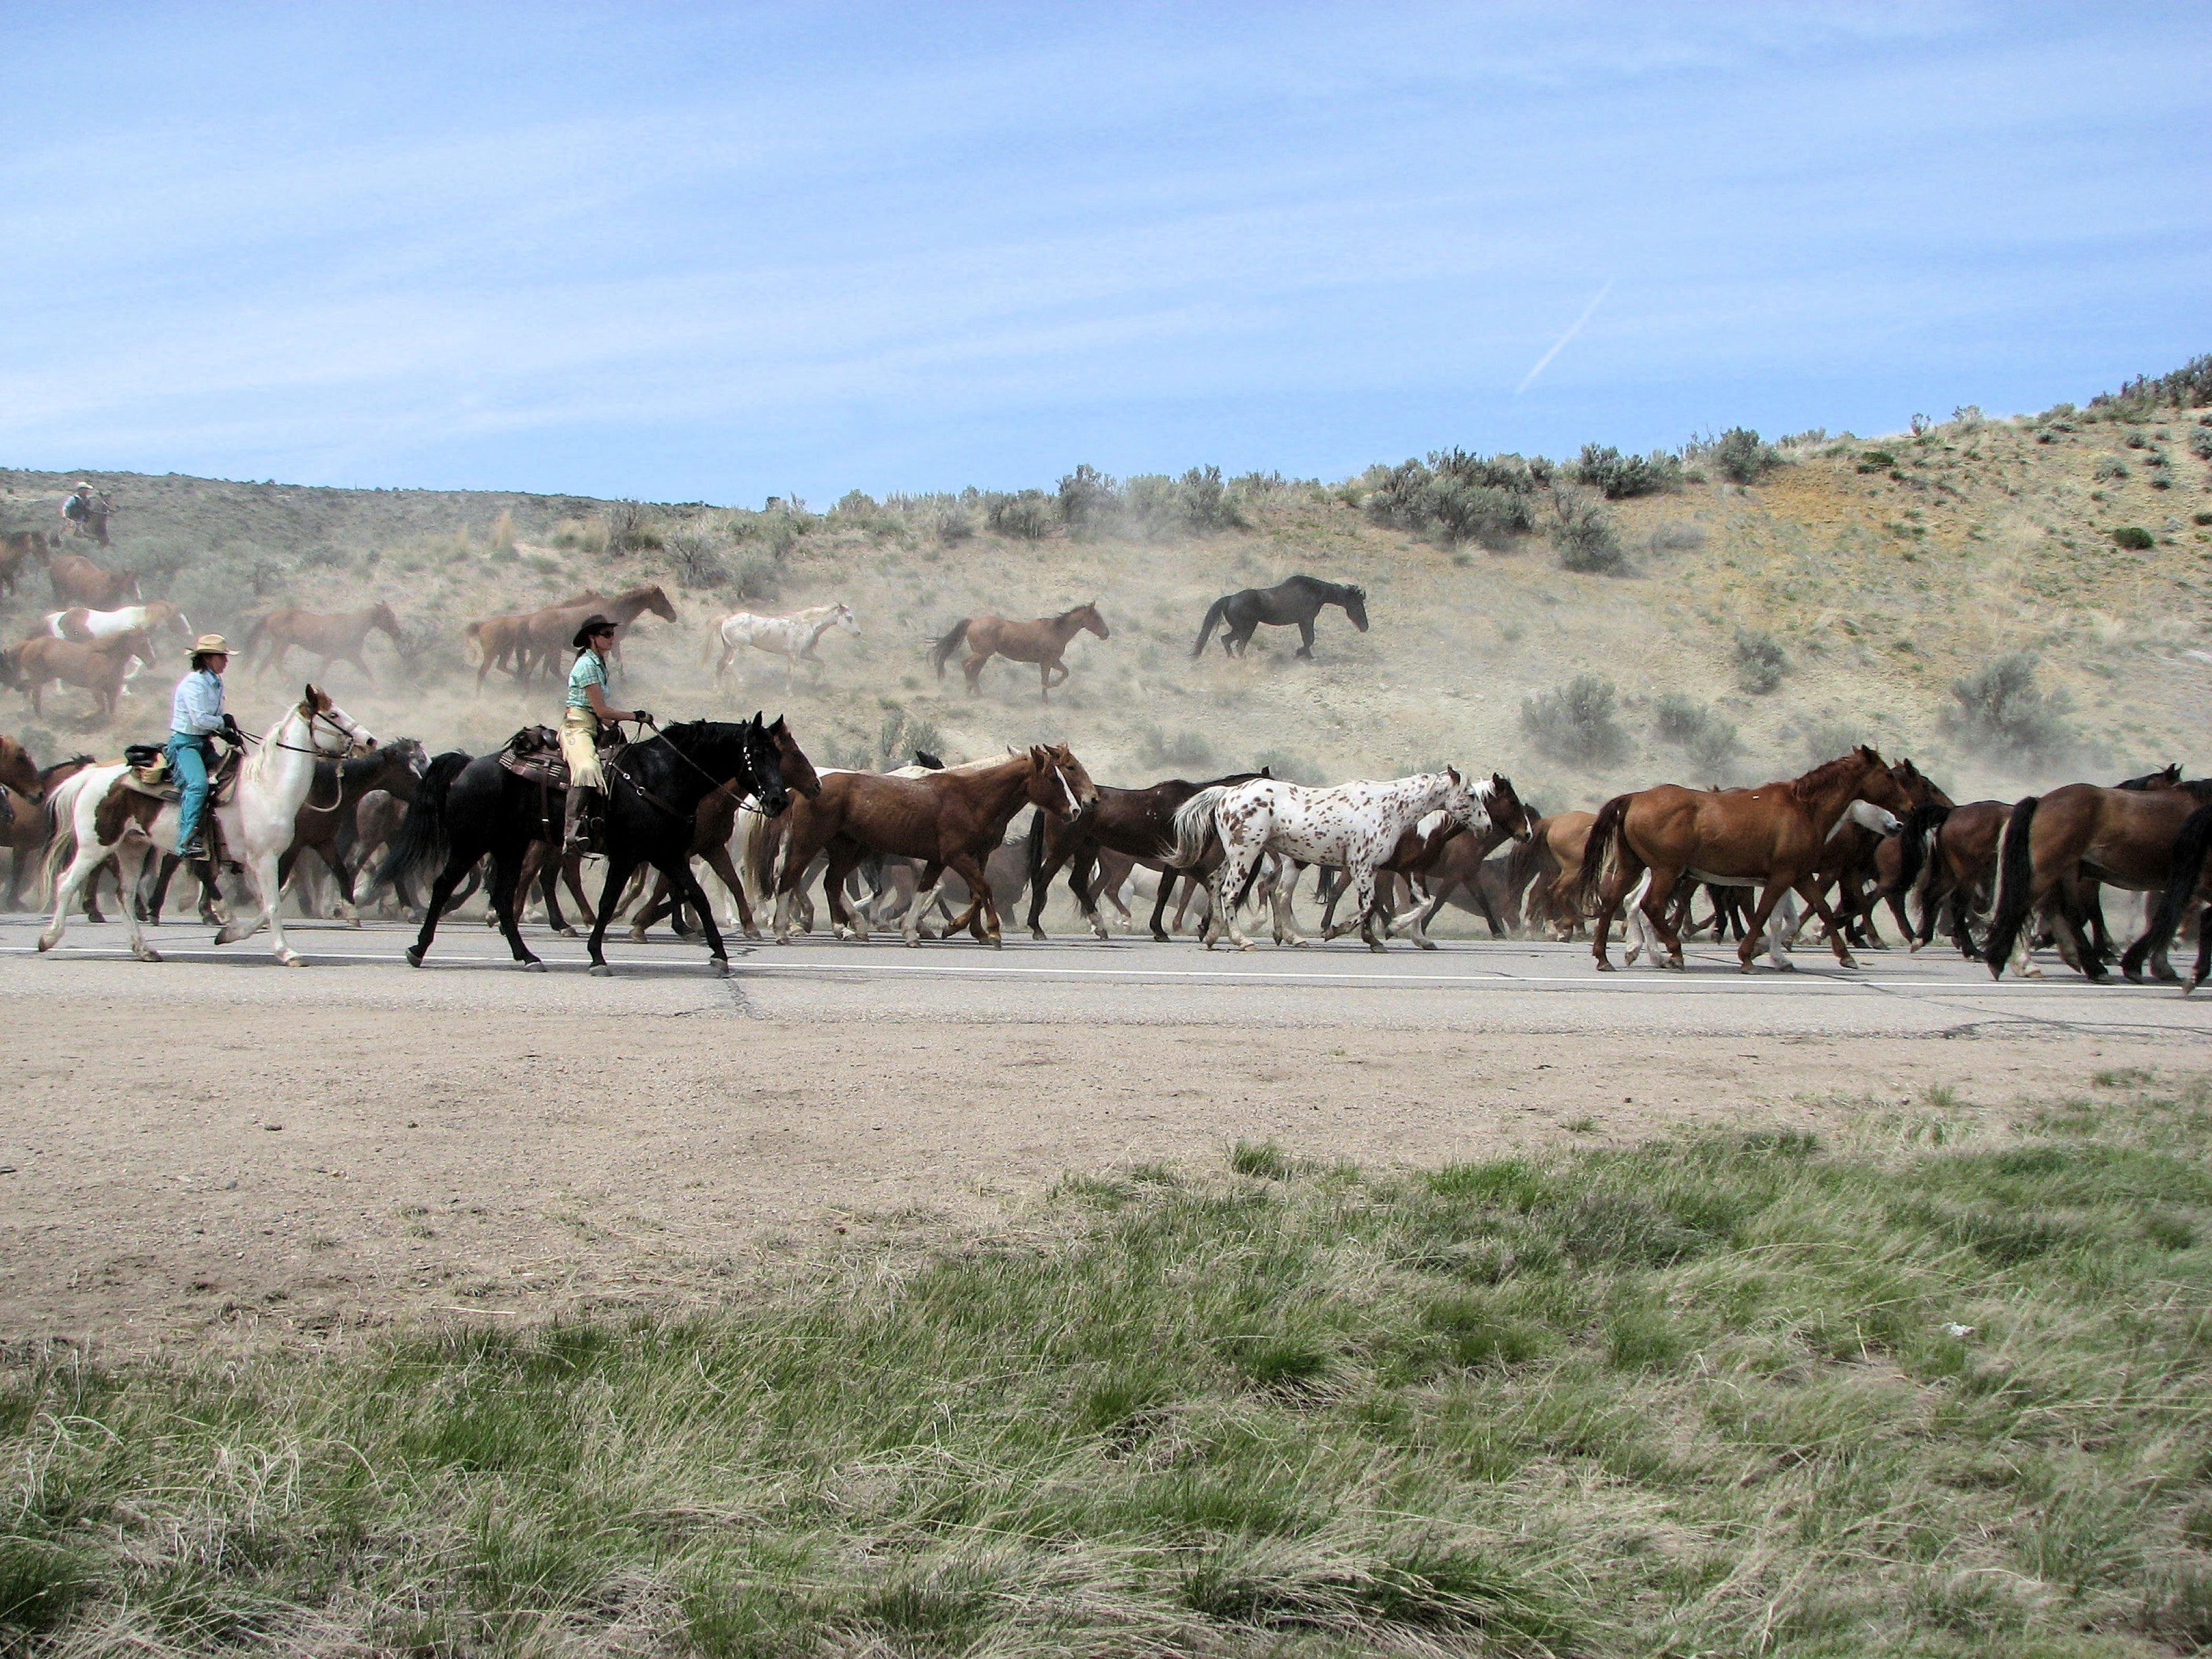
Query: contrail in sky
[1544, 362]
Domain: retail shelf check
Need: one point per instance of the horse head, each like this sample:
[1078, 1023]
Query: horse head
[1466, 803]
[1059, 784]
[1086, 616]
[1918, 785]
[791, 764]
[328, 724]
[1877, 785]
[1355, 606]
[1508, 811]
[846, 620]
[766, 765]
[657, 602]
[17, 771]
[383, 616]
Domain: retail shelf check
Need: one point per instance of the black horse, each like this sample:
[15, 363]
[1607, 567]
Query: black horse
[465, 808]
[1298, 600]
[1137, 822]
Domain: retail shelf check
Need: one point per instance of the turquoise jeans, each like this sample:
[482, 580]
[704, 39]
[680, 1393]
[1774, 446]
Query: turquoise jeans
[190, 755]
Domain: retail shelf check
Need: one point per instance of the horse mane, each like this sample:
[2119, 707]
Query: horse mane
[1822, 776]
[2195, 788]
[47, 772]
[1088, 604]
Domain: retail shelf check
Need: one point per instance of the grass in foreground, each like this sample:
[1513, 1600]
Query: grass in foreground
[1728, 1396]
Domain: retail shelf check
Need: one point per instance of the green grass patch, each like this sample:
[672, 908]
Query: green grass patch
[1723, 1394]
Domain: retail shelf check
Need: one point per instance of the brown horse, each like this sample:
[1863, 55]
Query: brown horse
[1852, 860]
[2056, 845]
[545, 634]
[1041, 642]
[17, 549]
[952, 819]
[100, 669]
[77, 581]
[27, 837]
[334, 638]
[1137, 823]
[1772, 836]
[1450, 858]
[1548, 868]
[2188, 886]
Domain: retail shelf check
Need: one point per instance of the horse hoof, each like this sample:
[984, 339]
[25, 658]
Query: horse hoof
[1849, 962]
[637, 936]
[532, 965]
[291, 959]
[567, 933]
[47, 942]
[720, 966]
[414, 956]
[600, 970]
[147, 954]
[753, 934]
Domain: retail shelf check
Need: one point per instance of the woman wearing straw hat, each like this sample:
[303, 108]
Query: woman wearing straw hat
[587, 710]
[196, 718]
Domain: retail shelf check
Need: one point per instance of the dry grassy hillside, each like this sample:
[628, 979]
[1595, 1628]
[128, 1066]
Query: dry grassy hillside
[1883, 572]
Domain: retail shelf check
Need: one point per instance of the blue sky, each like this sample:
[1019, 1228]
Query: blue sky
[720, 253]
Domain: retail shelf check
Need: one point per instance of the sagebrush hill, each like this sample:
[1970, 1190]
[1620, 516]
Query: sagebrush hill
[2012, 601]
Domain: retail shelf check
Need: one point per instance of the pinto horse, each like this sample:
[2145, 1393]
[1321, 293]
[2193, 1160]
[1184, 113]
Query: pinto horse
[1439, 855]
[468, 808]
[89, 627]
[335, 639]
[98, 818]
[1137, 823]
[1354, 826]
[1771, 837]
[953, 819]
[78, 581]
[1041, 642]
[2056, 846]
[1294, 602]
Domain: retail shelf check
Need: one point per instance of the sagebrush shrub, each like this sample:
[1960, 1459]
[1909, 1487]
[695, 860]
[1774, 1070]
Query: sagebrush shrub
[2134, 537]
[1709, 741]
[1026, 516]
[2000, 709]
[1575, 723]
[1617, 477]
[1760, 661]
[1742, 458]
[1583, 533]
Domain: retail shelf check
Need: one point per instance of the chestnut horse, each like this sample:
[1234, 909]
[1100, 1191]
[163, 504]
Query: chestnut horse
[17, 547]
[1773, 835]
[952, 819]
[2056, 845]
[77, 581]
[1041, 642]
[100, 669]
[544, 634]
[334, 638]
[1546, 871]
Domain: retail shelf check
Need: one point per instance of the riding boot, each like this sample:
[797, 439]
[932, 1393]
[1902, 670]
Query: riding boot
[576, 832]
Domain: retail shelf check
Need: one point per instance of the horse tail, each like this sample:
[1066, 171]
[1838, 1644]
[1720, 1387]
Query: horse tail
[1921, 825]
[1518, 866]
[1193, 827]
[1214, 615]
[2015, 876]
[1251, 880]
[422, 845]
[756, 856]
[1602, 853]
[941, 653]
[1036, 845]
[2184, 870]
[59, 814]
[473, 635]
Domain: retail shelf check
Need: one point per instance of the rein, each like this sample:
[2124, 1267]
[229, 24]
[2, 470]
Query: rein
[712, 782]
[337, 783]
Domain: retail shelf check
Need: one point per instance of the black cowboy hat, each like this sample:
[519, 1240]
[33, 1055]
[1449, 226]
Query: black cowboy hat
[595, 623]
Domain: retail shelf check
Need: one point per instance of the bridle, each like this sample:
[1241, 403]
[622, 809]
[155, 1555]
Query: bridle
[712, 782]
[356, 741]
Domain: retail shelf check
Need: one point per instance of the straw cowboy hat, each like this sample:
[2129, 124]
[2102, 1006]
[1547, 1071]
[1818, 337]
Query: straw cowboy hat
[212, 644]
[595, 623]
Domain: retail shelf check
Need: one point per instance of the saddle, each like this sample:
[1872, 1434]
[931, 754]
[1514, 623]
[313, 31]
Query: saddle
[533, 754]
[150, 774]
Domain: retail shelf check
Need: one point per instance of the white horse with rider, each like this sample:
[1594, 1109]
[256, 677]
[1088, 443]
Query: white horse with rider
[98, 816]
[794, 637]
[1353, 826]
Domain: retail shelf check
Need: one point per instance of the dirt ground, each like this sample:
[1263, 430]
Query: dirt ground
[222, 1152]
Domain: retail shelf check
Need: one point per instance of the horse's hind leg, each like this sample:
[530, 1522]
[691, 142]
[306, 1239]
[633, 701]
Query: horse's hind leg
[718, 861]
[688, 891]
[610, 892]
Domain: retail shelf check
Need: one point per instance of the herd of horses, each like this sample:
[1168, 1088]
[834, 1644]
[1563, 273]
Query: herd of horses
[1847, 840]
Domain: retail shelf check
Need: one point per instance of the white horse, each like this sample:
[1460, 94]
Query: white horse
[257, 823]
[1354, 826]
[793, 638]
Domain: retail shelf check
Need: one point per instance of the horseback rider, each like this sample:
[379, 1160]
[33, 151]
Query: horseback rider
[586, 711]
[78, 507]
[196, 718]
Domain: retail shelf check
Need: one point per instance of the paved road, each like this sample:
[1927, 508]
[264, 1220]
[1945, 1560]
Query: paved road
[1501, 986]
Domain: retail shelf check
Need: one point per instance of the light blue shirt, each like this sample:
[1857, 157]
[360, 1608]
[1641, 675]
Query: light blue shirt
[198, 711]
[590, 670]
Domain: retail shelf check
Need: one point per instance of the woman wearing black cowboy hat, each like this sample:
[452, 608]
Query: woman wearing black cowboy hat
[587, 710]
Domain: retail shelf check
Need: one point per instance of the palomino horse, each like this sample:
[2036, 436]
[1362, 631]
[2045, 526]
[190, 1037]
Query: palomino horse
[335, 639]
[1041, 642]
[107, 819]
[466, 808]
[952, 819]
[2054, 845]
[17, 549]
[1292, 602]
[792, 637]
[101, 669]
[1773, 835]
[1138, 823]
[1355, 826]
[89, 627]
[544, 634]
[78, 581]
[1547, 872]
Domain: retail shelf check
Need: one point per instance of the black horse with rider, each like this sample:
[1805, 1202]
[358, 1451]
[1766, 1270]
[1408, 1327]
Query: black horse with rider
[1294, 603]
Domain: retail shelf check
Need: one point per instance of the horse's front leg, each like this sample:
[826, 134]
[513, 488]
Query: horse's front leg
[507, 889]
[1809, 890]
[718, 861]
[1306, 639]
[619, 870]
[925, 898]
[687, 887]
